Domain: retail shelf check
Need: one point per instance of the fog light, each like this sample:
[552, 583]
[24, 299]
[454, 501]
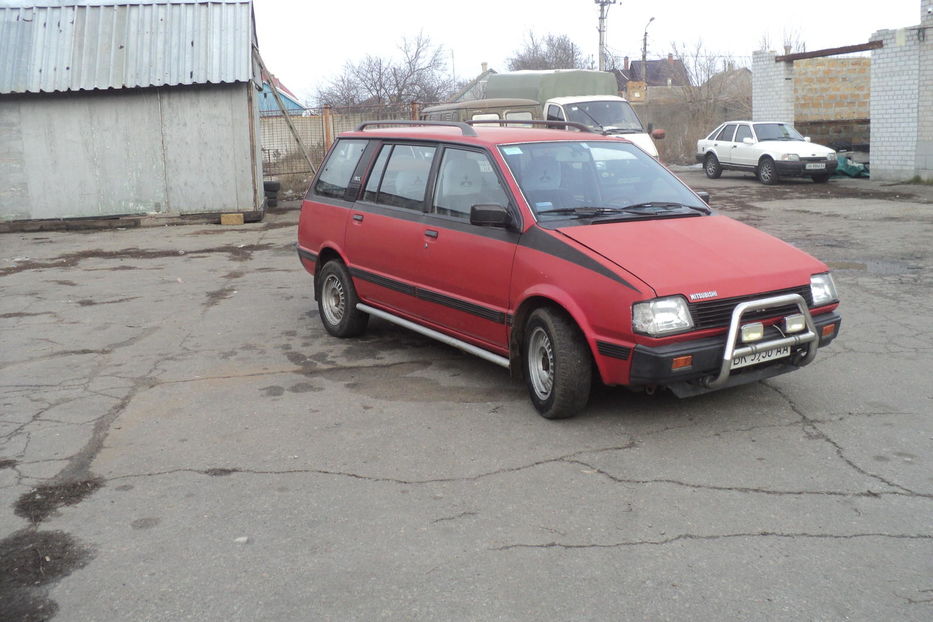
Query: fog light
[682, 362]
[828, 330]
[794, 323]
[753, 332]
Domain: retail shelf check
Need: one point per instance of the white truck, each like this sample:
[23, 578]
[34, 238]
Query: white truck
[578, 95]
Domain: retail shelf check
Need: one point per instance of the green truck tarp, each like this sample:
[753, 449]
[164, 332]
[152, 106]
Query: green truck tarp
[544, 85]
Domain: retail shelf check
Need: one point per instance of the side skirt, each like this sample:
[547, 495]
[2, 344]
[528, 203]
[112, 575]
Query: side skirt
[433, 334]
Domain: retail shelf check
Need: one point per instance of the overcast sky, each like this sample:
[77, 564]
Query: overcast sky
[306, 43]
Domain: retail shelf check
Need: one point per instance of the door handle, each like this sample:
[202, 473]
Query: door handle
[431, 233]
[358, 217]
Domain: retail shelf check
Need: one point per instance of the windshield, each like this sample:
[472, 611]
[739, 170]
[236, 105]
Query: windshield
[594, 181]
[604, 115]
[776, 131]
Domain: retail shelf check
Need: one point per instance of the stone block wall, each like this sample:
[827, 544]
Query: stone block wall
[832, 89]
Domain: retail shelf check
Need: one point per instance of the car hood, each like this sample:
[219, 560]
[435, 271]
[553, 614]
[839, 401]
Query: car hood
[699, 255]
[800, 147]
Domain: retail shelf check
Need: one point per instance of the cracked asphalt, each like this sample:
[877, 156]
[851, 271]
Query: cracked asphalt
[180, 440]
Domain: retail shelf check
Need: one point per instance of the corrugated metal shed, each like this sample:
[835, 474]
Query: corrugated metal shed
[79, 46]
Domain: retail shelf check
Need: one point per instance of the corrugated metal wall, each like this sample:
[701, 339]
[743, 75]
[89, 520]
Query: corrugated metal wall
[126, 45]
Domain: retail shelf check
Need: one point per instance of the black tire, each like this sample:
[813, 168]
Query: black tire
[711, 166]
[557, 365]
[821, 179]
[337, 300]
[270, 202]
[271, 186]
[767, 172]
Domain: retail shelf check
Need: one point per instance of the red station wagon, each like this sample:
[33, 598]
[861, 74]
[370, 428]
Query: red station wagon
[559, 255]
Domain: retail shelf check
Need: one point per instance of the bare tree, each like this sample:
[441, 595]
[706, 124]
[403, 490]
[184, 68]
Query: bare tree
[419, 73]
[551, 52]
[718, 88]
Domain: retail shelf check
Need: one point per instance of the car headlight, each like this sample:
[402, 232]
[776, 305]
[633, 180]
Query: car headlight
[661, 316]
[831, 156]
[823, 289]
[790, 156]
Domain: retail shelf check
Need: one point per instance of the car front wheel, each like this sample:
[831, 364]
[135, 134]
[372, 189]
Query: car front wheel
[767, 174]
[711, 166]
[558, 369]
[337, 300]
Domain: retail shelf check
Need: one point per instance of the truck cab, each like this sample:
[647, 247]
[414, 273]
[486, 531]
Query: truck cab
[607, 114]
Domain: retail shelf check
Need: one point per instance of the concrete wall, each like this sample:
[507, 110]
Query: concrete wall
[180, 150]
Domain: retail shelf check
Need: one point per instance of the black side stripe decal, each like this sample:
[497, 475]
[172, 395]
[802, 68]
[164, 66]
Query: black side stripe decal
[538, 240]
[306, 254]
[486, 313]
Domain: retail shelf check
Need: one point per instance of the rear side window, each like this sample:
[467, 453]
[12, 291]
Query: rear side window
[400, 176]
[338, 169]
[726, 133]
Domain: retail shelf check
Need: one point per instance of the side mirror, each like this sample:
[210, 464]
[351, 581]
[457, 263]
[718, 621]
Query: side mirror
[748, 141]
[806, 139]
[705, 196]
[658, 134]
[490, 216]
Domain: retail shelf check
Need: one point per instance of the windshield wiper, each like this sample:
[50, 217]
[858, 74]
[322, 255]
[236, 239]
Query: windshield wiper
[582, 211]
[660, 207]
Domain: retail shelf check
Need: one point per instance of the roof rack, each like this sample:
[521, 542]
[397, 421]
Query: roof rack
[465, 129]
[535, 122]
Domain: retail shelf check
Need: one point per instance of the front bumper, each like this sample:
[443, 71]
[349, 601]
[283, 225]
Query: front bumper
[798, 168]
[654, 365]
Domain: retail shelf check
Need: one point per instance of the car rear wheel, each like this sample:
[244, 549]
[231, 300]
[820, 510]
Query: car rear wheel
[821, 179]
[767, 174]
[558, 369]
[337, 300]
[711, 166]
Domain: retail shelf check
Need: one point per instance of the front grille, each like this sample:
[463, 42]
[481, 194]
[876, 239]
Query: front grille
[718, 313]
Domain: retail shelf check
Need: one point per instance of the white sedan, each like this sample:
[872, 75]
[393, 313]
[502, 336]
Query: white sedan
[769, 149]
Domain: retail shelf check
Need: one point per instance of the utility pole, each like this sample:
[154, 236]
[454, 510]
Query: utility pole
[644, 54]
[603, 11]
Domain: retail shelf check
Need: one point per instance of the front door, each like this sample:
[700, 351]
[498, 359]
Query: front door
[466, 269]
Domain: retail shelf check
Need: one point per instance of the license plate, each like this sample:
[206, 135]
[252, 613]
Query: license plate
[816, 166]
[760, 357]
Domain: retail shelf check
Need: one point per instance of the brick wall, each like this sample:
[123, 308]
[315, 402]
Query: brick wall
[772, 88]
[895, 76]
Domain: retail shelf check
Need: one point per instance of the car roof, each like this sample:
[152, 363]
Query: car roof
[485, 136]
[755, 122]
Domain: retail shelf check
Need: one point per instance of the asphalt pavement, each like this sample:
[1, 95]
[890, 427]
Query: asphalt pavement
[181, 440]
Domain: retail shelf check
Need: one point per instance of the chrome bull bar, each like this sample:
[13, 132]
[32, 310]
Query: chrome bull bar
[731, 351]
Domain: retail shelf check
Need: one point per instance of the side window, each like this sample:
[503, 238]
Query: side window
[742, 132]
[466, 178]
[554, 113]
[375, 177]
[405, 178]
[485, 116]
[338, 169]
[726, 133]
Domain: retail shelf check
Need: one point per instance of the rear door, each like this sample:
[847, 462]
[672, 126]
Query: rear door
[724, 144]
[386, 230]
